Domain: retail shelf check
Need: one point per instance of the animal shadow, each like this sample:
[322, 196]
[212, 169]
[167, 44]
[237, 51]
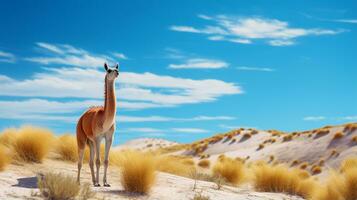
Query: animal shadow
[27, 182]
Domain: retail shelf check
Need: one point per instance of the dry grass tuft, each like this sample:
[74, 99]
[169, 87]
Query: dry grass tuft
[261, 146]
[8, 137]
[246, 136]
[32, 144]
[231, 170]
[350, 163]
[60, 187]
[66, 147]
[338, 135]
[174, 165]
[295, 162]
[304, 165]
[4, 157]
[350, 128]
[287, 138]
[315, 169]
[334, 152]
[204, 163]
[354, 140]
[339, 186]
[281, 179]
[200, 196]
[137, 171]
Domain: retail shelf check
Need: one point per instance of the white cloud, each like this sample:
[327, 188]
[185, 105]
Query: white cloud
[200, 63]
[120, 56]
[263, 69]
[231, 127]
[314, 118]
[349, 118]
[7, 57]
[69, 111]
[65, 54]
[248, 29]
[144, 130]
[189, 130]
[351, 21]
[147, 89]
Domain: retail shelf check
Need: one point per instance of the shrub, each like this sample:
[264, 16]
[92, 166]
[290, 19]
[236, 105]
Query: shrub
[315, 169]
[271, 158]
[4, 157]
[304, 165]
[295, 162]
[334, 152]
[354, 139]
[253, 132]
[174, 165]
[221, 157]
[231, 170]
[287, 138]
[66, 147]
[339, 186]
[338, 135]
[322, 132]
[350, 163]
[350, 128]
[261, 146]
[8, 137]
[32, 144]
[137, 171]
[280, 179]
[204, 163]
[246, 136]
[321, 162]
[61, 187]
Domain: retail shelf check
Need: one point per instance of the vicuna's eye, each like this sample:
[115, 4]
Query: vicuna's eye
[109, 70]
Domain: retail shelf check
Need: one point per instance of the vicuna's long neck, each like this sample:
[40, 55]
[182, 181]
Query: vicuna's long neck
[109, 101]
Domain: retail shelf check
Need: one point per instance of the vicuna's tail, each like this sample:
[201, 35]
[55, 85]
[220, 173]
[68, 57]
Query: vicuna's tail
[81, 136]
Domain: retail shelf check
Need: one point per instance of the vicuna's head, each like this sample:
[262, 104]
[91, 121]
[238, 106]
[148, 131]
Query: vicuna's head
[112, 73]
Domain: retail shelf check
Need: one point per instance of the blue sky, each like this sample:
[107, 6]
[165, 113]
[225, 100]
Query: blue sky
[189, 69]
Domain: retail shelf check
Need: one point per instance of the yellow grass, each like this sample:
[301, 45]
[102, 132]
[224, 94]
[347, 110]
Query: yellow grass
[66, 147]
[354, 139]
[137, 171]
[204, 163]
[315, 169]
[304, 165]
[247, 135]
[338, 135]
[261, 146]
[56, 186]
[339, 187]
[281, 179]
[32, 144]
[350, 163]
[8, 137]
[287, 138]
[4, 157]
[231, 170]
[174, 165]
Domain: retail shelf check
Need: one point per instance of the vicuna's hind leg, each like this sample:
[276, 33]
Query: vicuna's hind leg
[91, 159]
[81, 144]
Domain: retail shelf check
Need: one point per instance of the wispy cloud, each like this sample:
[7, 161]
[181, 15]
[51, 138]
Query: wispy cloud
[231, 127]
[200, 63]
[262, 69]
[137, 90]
[64, 54]
[189, 130]
[314, 118]
[7, 57]
[120, 56]
[248, 29]
[69, 111]
[351, 21]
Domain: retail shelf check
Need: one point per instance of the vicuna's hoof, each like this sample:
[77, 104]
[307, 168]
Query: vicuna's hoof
[106, 185]
[96, 185]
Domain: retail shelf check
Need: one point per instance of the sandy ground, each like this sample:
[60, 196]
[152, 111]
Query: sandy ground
[19, 182]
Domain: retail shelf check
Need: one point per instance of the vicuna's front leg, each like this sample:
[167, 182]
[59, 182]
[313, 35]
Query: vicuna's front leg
[97, 161]
[108, 144]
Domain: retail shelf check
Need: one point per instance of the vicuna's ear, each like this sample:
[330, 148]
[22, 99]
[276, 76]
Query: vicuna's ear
[117, 66]
[106, 66]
